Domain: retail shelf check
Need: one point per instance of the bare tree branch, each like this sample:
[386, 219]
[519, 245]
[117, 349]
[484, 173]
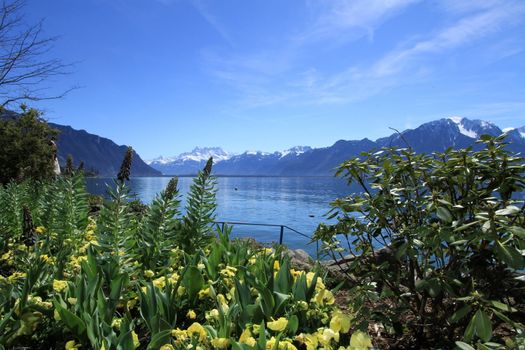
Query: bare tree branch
[23, 63]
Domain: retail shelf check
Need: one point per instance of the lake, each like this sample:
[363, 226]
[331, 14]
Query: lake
[297, 202]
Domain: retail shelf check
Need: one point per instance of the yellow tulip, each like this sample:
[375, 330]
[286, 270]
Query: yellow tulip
[220, 343]
[360, 341]
[278, 325]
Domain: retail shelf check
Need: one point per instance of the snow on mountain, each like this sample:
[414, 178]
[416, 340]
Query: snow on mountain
[297, 150]
[518, 131]
[458, 121]
[475, 128]
[197, 155]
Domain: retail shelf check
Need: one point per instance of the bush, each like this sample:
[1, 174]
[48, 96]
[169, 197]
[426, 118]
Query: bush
[27, 151]
[434, 243]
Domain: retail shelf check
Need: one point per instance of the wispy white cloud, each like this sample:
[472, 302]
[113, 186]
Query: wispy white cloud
[202, 7]
[461, 33]
[351, 19]
[271, 77]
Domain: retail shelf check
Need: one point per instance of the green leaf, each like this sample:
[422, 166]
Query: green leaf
[509, 210]
[293, 325]
[509, 255]
[444, 214]
[459, 314]
[502, 306]
[159, 339]
[471, 329]
[518, 231]
[72, 321]
[483, 326]
[466, 226]
[464, 346]
[193, 281]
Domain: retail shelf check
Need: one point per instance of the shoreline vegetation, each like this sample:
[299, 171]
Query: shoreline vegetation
[414, 260]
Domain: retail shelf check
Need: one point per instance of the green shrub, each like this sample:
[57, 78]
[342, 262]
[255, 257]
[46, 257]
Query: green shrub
[432, 244]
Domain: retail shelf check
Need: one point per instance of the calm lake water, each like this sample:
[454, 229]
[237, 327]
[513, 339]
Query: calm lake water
[297, 202]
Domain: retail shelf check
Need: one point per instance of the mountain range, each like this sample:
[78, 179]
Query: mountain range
[435, 136]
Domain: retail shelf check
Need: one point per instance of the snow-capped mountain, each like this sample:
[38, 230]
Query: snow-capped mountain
[434, 136]
[515, 134]
[198, 154]
[475, 128]
[295, 151]
[189, 162]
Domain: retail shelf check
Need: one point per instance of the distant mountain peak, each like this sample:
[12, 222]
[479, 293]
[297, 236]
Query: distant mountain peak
[198, 154]
[474, 128]
[297, 150]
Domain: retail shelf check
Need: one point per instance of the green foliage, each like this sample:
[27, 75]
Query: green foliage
[450, 226]
[200, 210]
[123, 280]
[27, 151]
[160, 227]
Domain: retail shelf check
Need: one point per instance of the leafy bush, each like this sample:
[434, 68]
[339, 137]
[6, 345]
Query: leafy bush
[432, 244]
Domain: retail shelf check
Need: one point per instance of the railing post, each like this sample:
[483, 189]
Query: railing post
[281, 235]
[222, 227]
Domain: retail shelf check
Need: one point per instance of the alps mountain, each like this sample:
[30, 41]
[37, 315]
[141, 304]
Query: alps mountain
[435, 136]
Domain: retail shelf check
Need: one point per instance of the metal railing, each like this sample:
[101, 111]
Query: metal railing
[222, 224]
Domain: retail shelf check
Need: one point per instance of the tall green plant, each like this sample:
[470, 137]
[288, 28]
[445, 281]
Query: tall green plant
[158, 231]
[200, 211]
[450, 225]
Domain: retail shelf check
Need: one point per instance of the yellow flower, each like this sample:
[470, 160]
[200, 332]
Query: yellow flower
[220, 343]
[212, 314]
[286, 345]
[181, 290]
[59, 285]
[229, 271]
[167, 347]
[116, 322]
[6, 256]
[132, 303]
[326, 336]
[159, 282]
[319, 284]
[276, 265]
[149, 273]
[16, 275]
[246, 338]
[324, 297]
[340, 322]
[71, 345]
[204, 293]
[136, 342]
[179, 334]
[40, 229]
[310, 340]
[191, 315]
[270, 344]
[196, 328]
[360, 341]
[278, 325]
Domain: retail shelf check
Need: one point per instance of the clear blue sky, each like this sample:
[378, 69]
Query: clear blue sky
[167, 75]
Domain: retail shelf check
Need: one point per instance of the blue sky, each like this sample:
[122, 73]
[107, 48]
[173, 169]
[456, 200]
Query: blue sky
[167, 75]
